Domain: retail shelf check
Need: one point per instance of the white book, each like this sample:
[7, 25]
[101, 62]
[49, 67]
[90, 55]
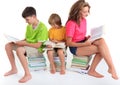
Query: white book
[57, 58]
[33, 68]
[78, 70]
[54, 45]
[97, 33]
[11, 38]
[37, 64]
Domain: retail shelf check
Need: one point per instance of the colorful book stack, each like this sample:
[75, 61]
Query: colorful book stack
[58, 63]
[37, 63]
[80, 64]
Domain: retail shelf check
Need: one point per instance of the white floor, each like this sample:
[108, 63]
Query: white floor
[45, 78]
[99, 14]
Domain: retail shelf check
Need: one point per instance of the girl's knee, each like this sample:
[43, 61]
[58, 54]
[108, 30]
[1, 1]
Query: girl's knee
[99, 41]
[102, 40]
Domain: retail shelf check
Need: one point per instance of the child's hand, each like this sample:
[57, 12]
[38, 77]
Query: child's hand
[55, 41]
[48, 46]
[21, 43]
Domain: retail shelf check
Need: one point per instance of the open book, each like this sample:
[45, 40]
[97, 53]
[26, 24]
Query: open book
[11, 38]
[97, 33]
[54, 45]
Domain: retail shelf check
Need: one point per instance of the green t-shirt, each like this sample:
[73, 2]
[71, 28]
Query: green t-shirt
[39, 34]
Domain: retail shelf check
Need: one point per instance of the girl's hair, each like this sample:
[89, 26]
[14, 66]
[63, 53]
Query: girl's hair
[28, 11]
[74, 13]
[54, 19]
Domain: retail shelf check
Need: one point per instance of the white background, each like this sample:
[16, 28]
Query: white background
[102, 12]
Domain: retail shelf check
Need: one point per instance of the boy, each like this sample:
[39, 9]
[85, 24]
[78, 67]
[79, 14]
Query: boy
[36, 34]
[56, 35]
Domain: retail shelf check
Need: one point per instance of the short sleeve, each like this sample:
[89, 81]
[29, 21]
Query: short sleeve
[70, 28]
[43, 35]
[50, 34]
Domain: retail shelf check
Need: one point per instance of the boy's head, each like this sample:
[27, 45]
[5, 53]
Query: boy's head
[29, 14]
[55, 20]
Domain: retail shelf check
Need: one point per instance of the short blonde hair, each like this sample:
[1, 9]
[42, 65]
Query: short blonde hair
[54, 19]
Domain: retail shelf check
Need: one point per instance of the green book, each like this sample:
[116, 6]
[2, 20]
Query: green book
[81, 59]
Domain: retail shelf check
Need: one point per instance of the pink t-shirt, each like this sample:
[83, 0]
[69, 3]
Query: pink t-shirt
[77, 33]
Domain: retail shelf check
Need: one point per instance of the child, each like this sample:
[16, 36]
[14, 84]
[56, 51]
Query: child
[56, 35]
[80, 45]
[36, 34]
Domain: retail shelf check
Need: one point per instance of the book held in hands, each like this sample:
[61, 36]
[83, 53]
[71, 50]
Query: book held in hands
[97, 33]
[11, 38]
[54, 45]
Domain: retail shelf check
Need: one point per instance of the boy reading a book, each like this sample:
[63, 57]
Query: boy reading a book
[36, 34]
[56, 35]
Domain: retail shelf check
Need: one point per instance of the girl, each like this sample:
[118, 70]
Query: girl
[79, 44]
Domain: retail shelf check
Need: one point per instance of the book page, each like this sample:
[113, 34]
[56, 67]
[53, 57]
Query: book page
[11, 38]
[59, 45]
[54, 45]
[97, 33]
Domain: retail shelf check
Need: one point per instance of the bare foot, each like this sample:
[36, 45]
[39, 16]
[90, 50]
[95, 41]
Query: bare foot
[10, 72]
[95, 74]
[113, 73]
[25, 79]
[62, 71]
[53, 70]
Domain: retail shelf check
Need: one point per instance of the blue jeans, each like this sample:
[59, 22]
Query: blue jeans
[73, 49]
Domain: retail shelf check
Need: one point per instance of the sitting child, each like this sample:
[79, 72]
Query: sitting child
[56, 35]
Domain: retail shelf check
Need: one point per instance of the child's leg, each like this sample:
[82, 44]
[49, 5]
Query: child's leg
[51, 60]
[62, 59]
[9, 52]
[27, 76]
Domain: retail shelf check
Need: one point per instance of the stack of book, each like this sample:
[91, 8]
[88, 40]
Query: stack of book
[37, 63]
[80, 64]
[58, 63]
